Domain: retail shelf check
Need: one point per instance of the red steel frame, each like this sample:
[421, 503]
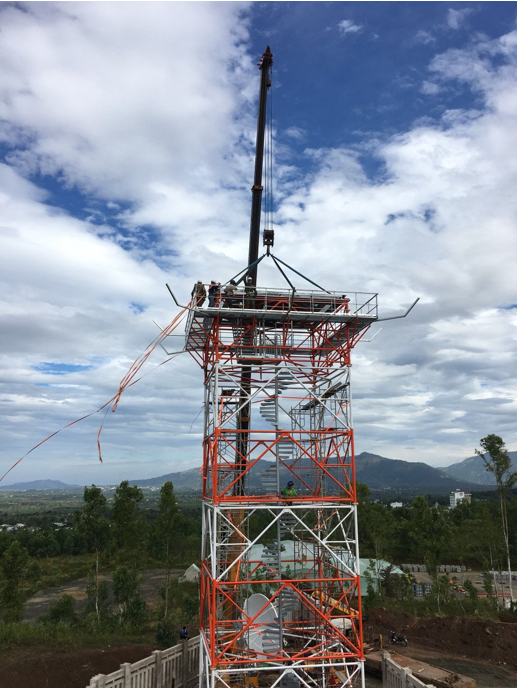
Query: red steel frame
[296, 351]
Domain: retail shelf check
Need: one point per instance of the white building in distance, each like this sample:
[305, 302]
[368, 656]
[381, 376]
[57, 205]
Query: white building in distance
[457, 497]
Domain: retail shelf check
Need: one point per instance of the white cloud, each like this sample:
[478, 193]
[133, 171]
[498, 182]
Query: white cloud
[424, 37]
[456, 18]
[296, 133]
[164, 146]
[441, 227]
[346, 26]
[430, 88]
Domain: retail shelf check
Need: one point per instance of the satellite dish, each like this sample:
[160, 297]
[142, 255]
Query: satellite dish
[262, 625]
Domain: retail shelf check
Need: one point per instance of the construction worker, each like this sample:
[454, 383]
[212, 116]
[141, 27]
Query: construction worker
[229, 293]
[199, 294]
[289, 491]
[250, 293]
[184, 633]
[213, 293]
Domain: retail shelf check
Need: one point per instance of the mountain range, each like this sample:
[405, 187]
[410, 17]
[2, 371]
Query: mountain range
[378, 472]
[473, 469]
[39, 485]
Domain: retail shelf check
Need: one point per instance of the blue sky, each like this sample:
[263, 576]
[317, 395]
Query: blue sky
[126, 143]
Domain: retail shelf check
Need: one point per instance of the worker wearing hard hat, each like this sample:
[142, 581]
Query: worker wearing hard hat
[250, 293]
[289, 491]
[199, 294]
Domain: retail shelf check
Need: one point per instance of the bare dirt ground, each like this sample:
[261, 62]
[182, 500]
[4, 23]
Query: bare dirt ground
[483, 650]
[55, 667]
[51, 667]
[478, 640]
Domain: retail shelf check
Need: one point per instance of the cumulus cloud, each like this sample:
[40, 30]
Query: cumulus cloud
[430, 88]
[99, 100]
[441, 227]
[161, 149]
[424, 37]
[347, 26]
[456, 18]
[296, 133]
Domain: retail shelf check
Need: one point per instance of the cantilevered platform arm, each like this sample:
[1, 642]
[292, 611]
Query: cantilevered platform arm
[180, 305]
[396, 317]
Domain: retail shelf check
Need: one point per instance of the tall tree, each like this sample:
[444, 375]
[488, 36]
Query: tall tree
[128, 526]
[166, 531]
[126, 586]
[92, 522]
[498, 463]
[14, 565]
[430, 533]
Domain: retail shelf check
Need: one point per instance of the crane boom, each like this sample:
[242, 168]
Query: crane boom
[265, 65]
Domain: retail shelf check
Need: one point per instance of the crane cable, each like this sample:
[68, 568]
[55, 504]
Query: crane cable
[127, 381]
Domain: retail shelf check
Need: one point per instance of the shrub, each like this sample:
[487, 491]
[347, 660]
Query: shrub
[61, 612]
[167, 632]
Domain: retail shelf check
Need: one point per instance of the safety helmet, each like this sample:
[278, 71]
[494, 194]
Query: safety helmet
[290, 483]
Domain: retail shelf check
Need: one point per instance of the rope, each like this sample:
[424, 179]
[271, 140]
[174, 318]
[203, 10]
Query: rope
[127, 381]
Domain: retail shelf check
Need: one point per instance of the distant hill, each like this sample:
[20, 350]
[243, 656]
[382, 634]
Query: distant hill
[378, 472]
[191, 478]
[39, 485]
[473, 470]
[182, 480]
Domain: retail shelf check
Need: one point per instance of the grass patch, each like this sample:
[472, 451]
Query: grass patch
[64, 569]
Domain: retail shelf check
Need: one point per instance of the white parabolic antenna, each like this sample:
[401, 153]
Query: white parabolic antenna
[252, 607]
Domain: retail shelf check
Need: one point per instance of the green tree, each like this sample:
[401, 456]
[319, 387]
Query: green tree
[14, 565]
[93, 524]
[126, 585]
[498, 463]
[128, 525]
[53, 548]
[63, 611]
[430, 533]
[34, 572]
[377, 529]
[167, 632]
[97, 605]
[190, 608]
[166, 532]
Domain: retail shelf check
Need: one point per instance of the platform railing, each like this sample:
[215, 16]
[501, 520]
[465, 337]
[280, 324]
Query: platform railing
[269, 298]
[177, 667]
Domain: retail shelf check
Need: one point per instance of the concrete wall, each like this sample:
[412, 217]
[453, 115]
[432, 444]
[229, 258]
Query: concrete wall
[178, 667]
[395, 676]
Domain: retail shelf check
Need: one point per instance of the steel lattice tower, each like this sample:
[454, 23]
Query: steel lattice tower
[298, 557]
[280, 592]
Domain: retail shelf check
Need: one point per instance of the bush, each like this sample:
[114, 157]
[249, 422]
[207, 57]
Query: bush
[167, 632]
[136, 612]
[61, 612]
